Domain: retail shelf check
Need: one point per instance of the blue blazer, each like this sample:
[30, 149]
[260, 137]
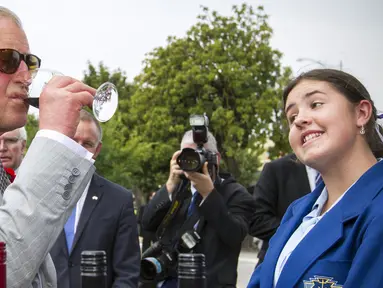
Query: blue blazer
[344, 249]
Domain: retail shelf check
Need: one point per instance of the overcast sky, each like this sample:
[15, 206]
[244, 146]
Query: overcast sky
[66, 34]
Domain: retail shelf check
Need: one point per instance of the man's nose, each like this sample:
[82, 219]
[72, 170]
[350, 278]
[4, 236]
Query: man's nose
[3, 147]
[23, 75]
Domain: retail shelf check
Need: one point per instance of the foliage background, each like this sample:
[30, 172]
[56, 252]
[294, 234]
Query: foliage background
[224, 66]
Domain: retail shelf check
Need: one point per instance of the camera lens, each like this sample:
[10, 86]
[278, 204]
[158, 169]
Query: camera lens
[150, 268]
[190, 160]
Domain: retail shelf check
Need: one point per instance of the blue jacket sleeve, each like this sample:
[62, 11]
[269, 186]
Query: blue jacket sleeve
[366, 268]
[255, 278]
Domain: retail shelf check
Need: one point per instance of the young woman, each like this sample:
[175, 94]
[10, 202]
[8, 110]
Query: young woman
[333, 237]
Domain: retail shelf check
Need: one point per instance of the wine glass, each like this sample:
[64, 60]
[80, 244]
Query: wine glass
[105, 100]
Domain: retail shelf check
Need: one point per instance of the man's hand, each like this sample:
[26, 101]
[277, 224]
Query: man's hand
[61, 102]
[201, 182]
[175, 173]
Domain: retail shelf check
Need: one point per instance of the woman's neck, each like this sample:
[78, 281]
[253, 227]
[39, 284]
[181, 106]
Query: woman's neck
[340, 175]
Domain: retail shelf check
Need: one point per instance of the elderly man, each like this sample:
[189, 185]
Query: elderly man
[54, 172]
[12, 148]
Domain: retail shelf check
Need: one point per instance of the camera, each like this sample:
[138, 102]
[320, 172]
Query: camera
[159, 260]
[194, 159]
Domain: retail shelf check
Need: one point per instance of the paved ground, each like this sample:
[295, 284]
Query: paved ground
[246, 264]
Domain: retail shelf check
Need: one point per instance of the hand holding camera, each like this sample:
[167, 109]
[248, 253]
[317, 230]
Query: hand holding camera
[201, 181]
[175, 173]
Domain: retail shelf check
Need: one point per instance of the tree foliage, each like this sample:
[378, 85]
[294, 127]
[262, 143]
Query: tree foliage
[224, 66]
[112, 162]
[31, 127]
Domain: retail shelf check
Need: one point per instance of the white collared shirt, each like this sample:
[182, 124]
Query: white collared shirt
[68, 142]
[311, 175]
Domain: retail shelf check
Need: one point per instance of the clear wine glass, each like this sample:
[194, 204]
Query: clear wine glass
[105, 100]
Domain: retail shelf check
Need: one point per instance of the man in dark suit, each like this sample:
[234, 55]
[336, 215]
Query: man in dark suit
[148, 237]
[222, 211]
[102, 220]
[281, 182]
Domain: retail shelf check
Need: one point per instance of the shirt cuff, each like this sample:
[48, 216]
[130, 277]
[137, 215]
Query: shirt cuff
[68, 142]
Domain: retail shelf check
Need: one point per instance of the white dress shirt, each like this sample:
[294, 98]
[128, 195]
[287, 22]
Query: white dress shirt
[68, 142]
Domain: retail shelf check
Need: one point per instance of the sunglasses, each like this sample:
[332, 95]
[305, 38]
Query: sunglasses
[10, 60]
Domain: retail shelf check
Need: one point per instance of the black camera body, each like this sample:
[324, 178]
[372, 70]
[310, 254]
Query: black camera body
[161, 258]
[194, 159]
[158, 260]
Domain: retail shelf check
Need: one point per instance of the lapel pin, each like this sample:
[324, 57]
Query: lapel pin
[94, 198]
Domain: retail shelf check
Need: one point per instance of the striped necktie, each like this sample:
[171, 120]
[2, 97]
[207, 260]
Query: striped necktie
[4, 180]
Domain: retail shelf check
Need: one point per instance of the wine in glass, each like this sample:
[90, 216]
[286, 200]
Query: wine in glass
[105, 100]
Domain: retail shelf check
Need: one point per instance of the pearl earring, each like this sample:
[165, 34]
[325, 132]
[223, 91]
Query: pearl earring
[362, 130]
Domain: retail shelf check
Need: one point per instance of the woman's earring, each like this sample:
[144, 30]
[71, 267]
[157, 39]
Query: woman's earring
[362, 130]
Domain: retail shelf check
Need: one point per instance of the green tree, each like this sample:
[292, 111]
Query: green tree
[112, 160]
[224, 66]
[32, 127]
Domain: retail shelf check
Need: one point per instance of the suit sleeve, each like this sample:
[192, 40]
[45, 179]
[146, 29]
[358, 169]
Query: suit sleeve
[231, 220]
[37, 204]
[156, 210]
[367, 264]
[126, 251]
[265, 221]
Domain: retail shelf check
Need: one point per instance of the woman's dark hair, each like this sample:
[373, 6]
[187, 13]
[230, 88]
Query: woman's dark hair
[353, 90]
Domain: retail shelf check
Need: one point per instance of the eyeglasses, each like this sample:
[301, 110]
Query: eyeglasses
[10, 60]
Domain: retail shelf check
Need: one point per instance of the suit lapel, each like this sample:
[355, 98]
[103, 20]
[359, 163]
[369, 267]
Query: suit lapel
[94, 195]
[329, 229]
[290, 223]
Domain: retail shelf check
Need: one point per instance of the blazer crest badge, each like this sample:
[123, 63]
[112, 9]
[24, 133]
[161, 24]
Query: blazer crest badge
[321, 282]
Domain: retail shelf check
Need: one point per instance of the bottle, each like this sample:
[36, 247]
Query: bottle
[191, 271]
[93, 269]
[3, 270]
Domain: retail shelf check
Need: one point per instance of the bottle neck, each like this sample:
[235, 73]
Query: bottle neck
[3, 268]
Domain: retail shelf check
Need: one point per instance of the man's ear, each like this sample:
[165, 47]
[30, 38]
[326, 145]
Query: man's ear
[24, 146]
[98, 150]
[218, 158]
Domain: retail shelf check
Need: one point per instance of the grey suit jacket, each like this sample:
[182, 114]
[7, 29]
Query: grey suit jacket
[36, 206]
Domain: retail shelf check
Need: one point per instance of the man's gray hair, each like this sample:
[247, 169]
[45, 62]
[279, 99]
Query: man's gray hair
[6, 13]
[23, 134]
[210, 145]
[86, 116]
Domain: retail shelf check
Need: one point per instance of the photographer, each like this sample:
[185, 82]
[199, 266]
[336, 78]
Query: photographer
[224, 210]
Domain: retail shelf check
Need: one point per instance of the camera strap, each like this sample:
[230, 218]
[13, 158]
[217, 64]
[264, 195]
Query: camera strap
[188, 225]
[179, 198]
[192, 220]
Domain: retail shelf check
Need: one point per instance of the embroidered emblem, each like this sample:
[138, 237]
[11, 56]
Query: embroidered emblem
[321, 282]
